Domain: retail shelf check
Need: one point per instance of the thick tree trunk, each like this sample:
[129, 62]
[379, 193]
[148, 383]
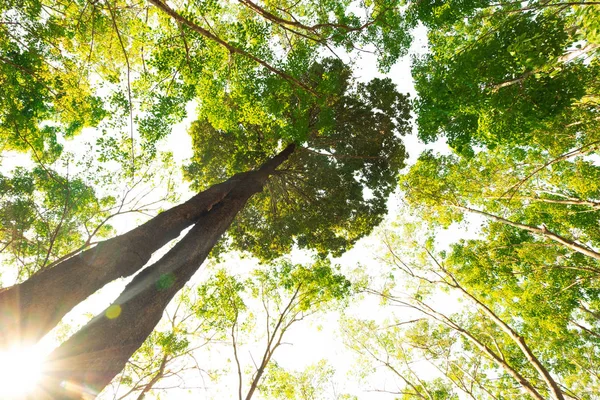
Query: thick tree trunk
[91, 358]
[31, 309]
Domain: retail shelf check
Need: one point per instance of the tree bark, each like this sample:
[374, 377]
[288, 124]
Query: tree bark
[31, 309]
[91, 358]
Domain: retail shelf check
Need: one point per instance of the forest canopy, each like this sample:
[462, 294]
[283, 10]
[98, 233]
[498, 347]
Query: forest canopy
[235, 171]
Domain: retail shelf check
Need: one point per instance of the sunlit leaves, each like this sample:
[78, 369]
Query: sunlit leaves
[311, 383]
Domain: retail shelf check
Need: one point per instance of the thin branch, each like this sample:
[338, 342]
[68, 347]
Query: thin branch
[114, 22]
[232, 49]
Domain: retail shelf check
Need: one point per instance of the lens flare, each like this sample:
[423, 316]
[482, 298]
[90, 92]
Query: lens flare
[20, 370]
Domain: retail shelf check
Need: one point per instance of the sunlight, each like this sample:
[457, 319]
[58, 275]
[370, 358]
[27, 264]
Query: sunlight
[20, 370]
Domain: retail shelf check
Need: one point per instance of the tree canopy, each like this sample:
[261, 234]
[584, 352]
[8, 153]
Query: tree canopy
[142, 139]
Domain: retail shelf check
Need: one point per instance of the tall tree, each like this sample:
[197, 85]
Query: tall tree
[483, 327]
[89, 360]
[380, 114]
[161, 77]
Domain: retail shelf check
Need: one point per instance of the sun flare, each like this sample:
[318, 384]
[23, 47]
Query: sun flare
[20, 370]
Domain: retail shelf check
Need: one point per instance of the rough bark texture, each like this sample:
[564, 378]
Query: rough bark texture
[92, 357]
[31, 309]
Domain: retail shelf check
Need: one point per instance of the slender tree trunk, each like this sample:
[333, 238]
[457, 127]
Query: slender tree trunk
[91, 358]
[553, 387]
[278, 330]
[497, 358]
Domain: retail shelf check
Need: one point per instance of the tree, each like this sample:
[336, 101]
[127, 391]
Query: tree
[86, 63]
[318, 200]
[289, 152]
[145, 298]
[43, 94]
[508, 336]
[393, 348]
[98, 352]
[523, 168]
[285, 294]
[92, 269]
[161, 105]
[53, 211]
[542, 78]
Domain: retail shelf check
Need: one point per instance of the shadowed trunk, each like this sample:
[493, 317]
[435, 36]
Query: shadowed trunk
[31, 309]
[92, 357]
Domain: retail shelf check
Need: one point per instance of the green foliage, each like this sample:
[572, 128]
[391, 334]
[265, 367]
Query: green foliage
[512, 86]
[43, 96]
[501, 76]
[229, 310]
[130, 70]
[333, 189]
[587, 20]
[310, 383]
[51, 211]
[514, 90]
[510, 183]
[470, 313]
[535, 285]
[223, 298]
[220, 302]
[44, 216]
[311, 287]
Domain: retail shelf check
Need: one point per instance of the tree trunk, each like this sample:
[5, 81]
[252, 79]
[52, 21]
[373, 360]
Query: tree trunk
[91, 358]
[31, 309]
